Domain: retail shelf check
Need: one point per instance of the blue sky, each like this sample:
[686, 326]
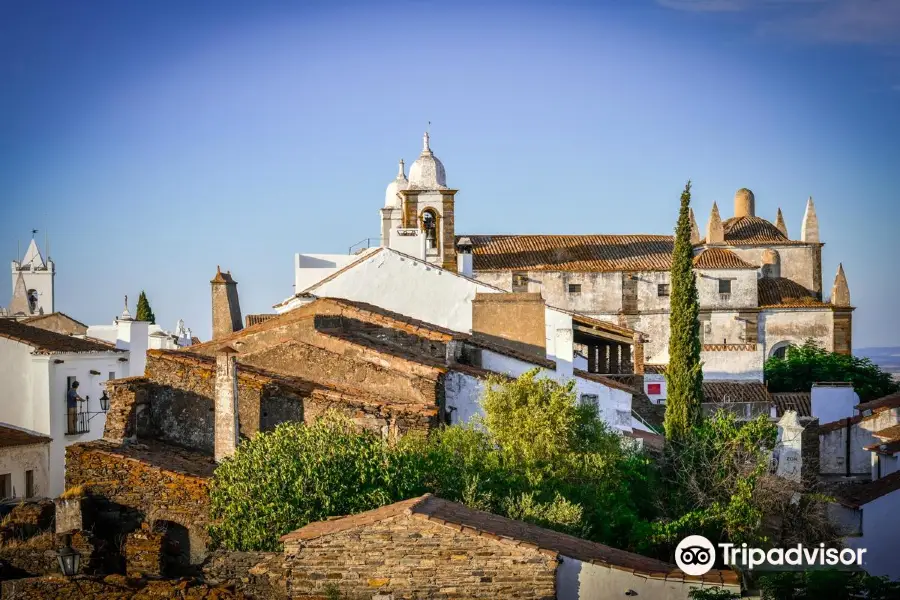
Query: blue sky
[154, 141]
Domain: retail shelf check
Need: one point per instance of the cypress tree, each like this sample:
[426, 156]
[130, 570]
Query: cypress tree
[684, 377]
[144, 312]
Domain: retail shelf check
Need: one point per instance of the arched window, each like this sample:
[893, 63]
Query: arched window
[32, 300]
[780, 350]
[429, 226]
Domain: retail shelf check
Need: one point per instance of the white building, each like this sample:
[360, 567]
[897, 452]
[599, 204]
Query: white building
[24, 463]
[37, 368]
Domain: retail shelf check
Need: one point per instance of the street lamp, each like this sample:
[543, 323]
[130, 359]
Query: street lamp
[68, 557]
[104, 402]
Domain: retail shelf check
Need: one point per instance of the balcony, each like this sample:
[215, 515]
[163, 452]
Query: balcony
[78, 422]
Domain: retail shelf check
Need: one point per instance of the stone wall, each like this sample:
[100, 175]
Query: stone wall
[113, 587]
[26, 520]
[514, 320]
[125, 396]
[415, 558]
[38, 555]
[137, 483]
[144, 552]
[257, 574]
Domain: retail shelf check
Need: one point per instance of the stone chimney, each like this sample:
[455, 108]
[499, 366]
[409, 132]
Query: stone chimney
[744, 203]
[840, 291]
[515, 320]
[226, 392]
[779, 224]
[226, 309]
[809, 232]
[695, 231]
[464, 264]
[715, 232]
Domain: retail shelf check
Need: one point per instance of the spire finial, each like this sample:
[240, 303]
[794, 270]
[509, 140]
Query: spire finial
[779, 223]
[809, 231]
[33, 233]
[695, 231]
[126, 316]
[715, 232]
[840, 291]
[425, 145]
[401, 174]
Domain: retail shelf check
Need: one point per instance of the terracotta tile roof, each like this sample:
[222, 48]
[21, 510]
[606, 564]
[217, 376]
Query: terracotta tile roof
[54, 314]
[475, 522]
[720, 258]
[796, 401]
[579, 253]
[654, 369]
[890, 434]
[856, 496]
[786, 293]
[883, 403]
[735, 391]
[607, 381]
[250, 320]
[222, 277]
[10, 435]
[49, 342]
[840, 424]
[753, 230]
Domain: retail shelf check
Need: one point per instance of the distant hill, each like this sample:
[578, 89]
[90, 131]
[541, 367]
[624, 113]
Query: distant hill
[886, 358]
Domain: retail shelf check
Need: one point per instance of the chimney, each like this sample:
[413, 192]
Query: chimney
[464, 257]
[515, 320]
[226, 310]
[779, 223]
[715, 233]
[744, 203]
[638, 353]
[564, 351]
[809, 232]
[695, 231]
[133, 336]
[226, 392]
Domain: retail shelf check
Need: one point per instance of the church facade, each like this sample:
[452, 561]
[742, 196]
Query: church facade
[760, 289]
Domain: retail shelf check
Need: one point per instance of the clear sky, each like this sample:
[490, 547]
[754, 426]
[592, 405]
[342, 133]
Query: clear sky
[154, 141]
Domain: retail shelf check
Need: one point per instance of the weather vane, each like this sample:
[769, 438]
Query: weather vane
[34, 232]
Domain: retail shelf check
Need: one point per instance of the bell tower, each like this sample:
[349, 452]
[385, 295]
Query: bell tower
[32, 280]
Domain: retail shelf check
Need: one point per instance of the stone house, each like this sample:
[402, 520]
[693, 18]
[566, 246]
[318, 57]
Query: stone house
[37, 368]
[24, 463]
[849, 446]
[58, 322]
[427, 547]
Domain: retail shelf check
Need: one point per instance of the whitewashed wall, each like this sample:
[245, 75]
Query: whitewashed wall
[743, 365]
[309, 269]
[15, 384]
[15, 460]
[880, 532]
[795, 326]
[833, 403]
[577, 580]
[743, 288]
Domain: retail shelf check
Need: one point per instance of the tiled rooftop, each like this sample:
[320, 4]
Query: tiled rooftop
[49, 342]
[786, 293]
[735, 391]
[856, 496]
[796, 401]
[593, 253]
[10, 435]
[753, 230]
[159, 455]
[883, 403]
[720, 258]
[475, 522]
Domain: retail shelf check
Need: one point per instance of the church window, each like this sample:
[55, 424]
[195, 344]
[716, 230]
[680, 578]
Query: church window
[32, 300]
[429, 226]
[574, 288]
[724, 286]
[519, 282]
[662, 289]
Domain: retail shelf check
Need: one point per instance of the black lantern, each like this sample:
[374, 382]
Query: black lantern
[104, 402]
[68, 558]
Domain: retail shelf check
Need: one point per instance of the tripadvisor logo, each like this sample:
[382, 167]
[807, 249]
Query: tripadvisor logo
[696, 555]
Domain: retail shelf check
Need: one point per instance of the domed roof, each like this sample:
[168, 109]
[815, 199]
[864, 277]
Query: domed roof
[427, 173]
[752, 230]
[391, 194]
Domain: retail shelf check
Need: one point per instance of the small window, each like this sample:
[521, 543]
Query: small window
[574, 288]
[654, 389]
[591, 399]
[724, 286]
[519, 282]
[29, 484]
[662, 289]
[112, 375]
[5, 486]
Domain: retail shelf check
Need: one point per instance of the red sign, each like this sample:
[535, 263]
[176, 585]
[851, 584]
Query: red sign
[654, 389]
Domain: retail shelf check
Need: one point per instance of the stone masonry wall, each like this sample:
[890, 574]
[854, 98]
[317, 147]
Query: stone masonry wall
[112, 587]
[156, 487]
[411, 557]
[257, 574]
[37, 555]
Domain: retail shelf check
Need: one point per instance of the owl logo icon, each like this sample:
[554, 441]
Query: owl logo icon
[695, 555]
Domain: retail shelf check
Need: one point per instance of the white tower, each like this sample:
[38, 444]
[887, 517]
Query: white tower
[32, 281]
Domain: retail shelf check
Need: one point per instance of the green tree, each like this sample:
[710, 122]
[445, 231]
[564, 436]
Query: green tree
[684, 377]
[144, 312]
[805, 365]
[827, 585]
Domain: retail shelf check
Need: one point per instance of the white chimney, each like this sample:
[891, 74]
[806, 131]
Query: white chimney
[133, 336]
[464, 257]
[226, 392]
[833, 401]
[565, 353]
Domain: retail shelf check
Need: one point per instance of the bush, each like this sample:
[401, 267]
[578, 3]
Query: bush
[827, 585]
[805, 365]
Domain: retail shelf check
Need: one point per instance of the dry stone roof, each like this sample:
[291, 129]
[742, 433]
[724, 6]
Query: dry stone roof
[785, 293]
[720, 258]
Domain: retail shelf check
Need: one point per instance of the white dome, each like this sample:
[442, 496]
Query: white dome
[391, 194]
[427, 172]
